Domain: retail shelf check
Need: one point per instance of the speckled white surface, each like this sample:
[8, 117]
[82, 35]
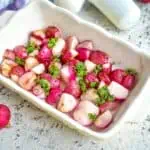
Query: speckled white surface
[32, 129]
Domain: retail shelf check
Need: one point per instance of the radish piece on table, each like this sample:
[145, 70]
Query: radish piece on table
[30, 63]
[71, 42]
[107, 68]
[40, 34]
[53, 32]
[117, 90]
[39, 69]
[9, 54]
[21, 52]
[5, 116]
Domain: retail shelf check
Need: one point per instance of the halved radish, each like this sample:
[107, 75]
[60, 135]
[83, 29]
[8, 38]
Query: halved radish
[17, 72]
[39, 92]
[9, 54]
[90, 95]
[30, 63]
[99, 57]
[71, 42]
[54, 96]
[104, 77]
[103, 120]
[58, 48]
[83, 54]
[66, 103]
[6, 67]
[117, 90]
[89, 66]
[39, 69]
[35, 40]
[86, 44]
[81, 113]
[109, 106]
[107, 68]
[40, 34]
[67, 73]
[53, 32]
[20, 51]
[73, 88]
[117, 75]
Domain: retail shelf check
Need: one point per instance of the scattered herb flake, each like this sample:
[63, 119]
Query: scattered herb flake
[80, 69]
[54, 70]
[92, 116]
[19, 61]
[98, 69]
[104, 95]
[131, 71]
[30, 47]
[45, 85]
[82, 85]
[52, 42]
[93, 84]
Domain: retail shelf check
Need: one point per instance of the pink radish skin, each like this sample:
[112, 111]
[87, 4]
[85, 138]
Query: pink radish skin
[103, 120]
[68, 73]
[9, 54]
[66, 103]
[45, 56]
[99, 57]
[73, 88]
[17, 72]
[109, 106]
[30, 63]
[86, 44]
[117, 90]
[59, 47]
[53, 32]
[107, 68]
[20, 52]
[83, 54]
[35, 40]
[6, 67]
[39, 92]
[71, 42]
[54, 96]
[5, 116]
[40, 34]
[81, 113]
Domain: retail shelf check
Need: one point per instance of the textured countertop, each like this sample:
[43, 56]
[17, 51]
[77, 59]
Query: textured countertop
[32, 129]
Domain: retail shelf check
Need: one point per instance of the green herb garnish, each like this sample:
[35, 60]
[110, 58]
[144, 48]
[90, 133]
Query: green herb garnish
[93, 84]
[82, 85]
[52, 42]
[30, 47]
[45, 85]
[92, 116]
[54, 70]
[80, 69]
[98, 69]
[19, 61]
[104, 95]
[131, 71]
[56, 59]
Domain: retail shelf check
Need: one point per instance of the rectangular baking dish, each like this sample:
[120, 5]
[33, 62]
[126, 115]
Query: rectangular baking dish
[41, 13]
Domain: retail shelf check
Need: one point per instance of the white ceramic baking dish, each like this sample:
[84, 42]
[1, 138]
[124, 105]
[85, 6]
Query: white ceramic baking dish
[42, 13]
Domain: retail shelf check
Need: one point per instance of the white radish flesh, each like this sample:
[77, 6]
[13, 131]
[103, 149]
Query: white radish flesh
[39, 69]
[58, 48]
[89, 66]
[90, 95]
[67, 103]
[30, 63]
[103, 120]
[118, 90]
[81, 113]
